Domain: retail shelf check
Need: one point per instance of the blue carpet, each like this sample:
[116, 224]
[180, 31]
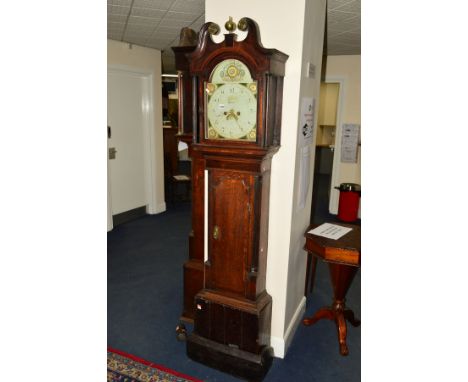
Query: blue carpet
[145, 260]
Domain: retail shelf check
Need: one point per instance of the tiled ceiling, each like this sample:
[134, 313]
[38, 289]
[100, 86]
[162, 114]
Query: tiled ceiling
[343, 27]
[157, 24]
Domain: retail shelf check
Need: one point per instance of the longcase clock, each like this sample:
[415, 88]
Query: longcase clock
[193, 267]
[187, 44]
[237, 103]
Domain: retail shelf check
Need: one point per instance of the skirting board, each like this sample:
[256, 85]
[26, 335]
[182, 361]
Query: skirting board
[281, 345]
[129, 215]
[161, 207]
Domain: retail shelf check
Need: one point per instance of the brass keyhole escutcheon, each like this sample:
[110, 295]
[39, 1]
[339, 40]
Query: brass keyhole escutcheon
[215, 232]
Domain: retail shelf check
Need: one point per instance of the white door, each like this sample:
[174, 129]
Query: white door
[126, 119]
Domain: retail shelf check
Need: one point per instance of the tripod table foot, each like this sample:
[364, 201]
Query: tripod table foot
[320, 314]
[349, 315]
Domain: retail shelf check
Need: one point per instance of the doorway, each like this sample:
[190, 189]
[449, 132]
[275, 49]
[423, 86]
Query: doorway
[325, 169]
[129, 113]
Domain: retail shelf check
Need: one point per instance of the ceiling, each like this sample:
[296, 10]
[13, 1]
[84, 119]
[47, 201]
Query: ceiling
[157, 24]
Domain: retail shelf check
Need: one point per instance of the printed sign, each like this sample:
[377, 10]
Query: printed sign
[307, 118]
[349, 143]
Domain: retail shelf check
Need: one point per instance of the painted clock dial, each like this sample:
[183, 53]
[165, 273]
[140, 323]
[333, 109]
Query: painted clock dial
[231, 102]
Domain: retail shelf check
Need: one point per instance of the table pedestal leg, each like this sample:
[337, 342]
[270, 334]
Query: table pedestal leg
[311, 267]
[341, 276]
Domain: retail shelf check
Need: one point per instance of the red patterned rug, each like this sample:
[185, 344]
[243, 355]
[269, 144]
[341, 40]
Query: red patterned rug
[123, 367]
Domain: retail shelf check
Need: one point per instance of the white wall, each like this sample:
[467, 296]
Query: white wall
[348, 69]
[119, 54]
[281, 26]
[310, 87]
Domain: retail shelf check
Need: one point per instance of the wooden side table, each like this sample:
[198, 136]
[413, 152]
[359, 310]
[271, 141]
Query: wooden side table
[344, 259]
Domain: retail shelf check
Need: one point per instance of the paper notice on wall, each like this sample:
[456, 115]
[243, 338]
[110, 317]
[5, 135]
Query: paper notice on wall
[349, 143]
[304, 177]
[307, 119]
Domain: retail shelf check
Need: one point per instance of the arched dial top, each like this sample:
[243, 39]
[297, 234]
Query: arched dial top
[231, 102]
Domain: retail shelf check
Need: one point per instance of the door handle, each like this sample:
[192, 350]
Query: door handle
[112, 152]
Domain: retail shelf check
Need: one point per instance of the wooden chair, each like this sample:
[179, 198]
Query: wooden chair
[174, 180]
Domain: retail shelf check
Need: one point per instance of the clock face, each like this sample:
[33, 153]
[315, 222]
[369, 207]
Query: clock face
[231, 103]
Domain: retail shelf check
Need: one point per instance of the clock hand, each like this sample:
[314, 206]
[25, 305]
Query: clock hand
[228, 114]
[232, 114]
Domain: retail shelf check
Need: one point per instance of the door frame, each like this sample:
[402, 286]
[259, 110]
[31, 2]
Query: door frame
[150, 167]
[335, 194]
[110, 223]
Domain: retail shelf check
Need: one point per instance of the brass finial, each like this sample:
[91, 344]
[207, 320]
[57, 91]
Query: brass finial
[213, 29]
[242, 24]
[230, 25]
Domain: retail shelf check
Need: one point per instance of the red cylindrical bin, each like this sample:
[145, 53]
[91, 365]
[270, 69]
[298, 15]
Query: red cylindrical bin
[348, 206]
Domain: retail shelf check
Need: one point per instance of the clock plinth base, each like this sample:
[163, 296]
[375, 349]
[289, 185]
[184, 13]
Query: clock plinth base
[242, 364]
[193, 283]
[232, 334]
